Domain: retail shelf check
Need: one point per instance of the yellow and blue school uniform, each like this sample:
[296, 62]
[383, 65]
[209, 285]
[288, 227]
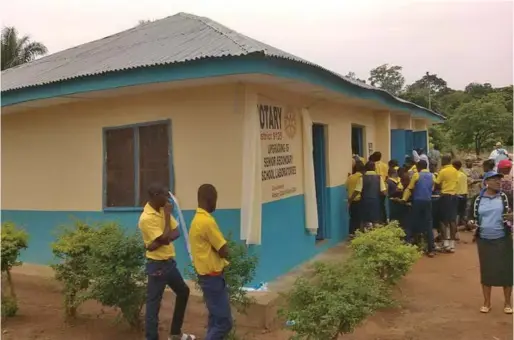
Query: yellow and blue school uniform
[448, 180]
[372, 187]
[206, 240]
[462, 194]
[420, 188]
[395, 190]
[351, 184]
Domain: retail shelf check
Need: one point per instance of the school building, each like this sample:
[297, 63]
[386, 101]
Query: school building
[186, 101]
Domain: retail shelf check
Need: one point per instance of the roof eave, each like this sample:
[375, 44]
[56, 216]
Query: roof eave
[256, 62]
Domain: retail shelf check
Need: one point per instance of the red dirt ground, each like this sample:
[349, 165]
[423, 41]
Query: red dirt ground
[440, 300]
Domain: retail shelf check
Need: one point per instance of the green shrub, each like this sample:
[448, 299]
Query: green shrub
[384, 251]
[116, 265]
[73, 251]
[9, 306]
[334, 301]
[239, 273]
[14, 240]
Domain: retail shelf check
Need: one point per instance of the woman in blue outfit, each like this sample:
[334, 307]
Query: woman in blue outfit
[494, 241]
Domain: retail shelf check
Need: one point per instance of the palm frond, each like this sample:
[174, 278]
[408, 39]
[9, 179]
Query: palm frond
[16, 50]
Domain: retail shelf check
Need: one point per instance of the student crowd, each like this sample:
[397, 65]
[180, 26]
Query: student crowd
[439, 194]
[424, 194]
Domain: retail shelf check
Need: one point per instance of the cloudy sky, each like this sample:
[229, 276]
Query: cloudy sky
[461, 41]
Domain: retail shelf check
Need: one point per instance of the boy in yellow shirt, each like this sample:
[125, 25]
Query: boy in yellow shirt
[159, 230]
[210, 251]
[447, 180]
[354, 197]
[381, 168]
[462, 193]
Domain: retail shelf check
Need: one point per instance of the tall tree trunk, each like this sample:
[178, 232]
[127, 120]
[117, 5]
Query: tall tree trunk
[11, 285]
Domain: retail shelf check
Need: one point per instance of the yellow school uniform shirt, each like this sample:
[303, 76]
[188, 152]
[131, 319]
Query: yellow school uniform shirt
[462, 184]
[413, 169]
[351, 184]
[206, 239]
[382, 169]
[151, 224]
[448, 178]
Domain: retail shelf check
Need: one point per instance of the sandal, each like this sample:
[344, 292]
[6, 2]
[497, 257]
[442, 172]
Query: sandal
[507, 310]
[485, 309]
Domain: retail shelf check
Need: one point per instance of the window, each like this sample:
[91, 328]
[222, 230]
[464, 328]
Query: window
[135, 157]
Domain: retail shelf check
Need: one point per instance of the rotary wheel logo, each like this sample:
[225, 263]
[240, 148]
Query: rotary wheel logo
[290, 124]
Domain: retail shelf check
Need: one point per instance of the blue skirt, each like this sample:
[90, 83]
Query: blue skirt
[370, 210]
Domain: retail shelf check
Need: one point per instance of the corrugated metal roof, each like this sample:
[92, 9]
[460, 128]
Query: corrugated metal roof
[176, 39]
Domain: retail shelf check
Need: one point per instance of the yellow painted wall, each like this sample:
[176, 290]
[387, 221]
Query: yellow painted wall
[419, 125]
[52, 157]
[339, 119]
[401, 122]
[383, 134]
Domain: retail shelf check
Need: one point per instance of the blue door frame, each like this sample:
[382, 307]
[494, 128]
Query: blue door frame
[320, 179]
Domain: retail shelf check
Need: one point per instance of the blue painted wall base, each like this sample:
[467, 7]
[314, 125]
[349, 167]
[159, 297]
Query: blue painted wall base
[285, 242]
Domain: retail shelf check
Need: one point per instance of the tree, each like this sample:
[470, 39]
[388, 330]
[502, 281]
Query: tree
[427, 91]
[388, 78]
[353, 76]
[17, 50]
[477, 90]
[481, 122]
[432, 82]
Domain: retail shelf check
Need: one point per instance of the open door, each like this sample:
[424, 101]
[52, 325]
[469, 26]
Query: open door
[358, 140]
[320, 178]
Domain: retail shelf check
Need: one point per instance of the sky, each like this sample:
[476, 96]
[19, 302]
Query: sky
[460, 41]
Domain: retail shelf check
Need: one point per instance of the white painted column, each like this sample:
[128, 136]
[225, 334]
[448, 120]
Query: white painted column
[309, 184]
[251, 195]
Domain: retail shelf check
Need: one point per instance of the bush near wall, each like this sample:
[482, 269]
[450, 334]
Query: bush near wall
[338, 297]
[14, 240]
[335, 300]
[103, 263]
[384, 251]
[73, 251]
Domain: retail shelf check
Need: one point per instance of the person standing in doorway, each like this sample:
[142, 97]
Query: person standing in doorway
[354, 197]
[372, 187]
[448, 179]
[210, 252]
[159, 230]
[420, 187]
[494, 241]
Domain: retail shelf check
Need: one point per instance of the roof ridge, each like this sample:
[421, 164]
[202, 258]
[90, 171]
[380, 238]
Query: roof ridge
[208, 24]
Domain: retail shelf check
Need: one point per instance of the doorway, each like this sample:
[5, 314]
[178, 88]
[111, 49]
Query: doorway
[320, 178]
[358, 140]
